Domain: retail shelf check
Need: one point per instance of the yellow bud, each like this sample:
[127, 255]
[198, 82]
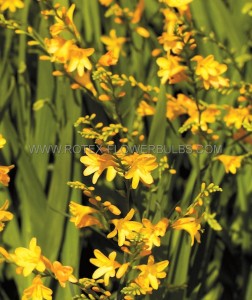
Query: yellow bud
[178, 209]
[143, 32]
[32, 43]
[156, 52]
[121, 94]
[125, 140]
[75, 86]
[104, 97]
[99, 125]
[57, 73]
[29, 29]
[115, 210]
[44, 57]
[141, 137]
[203, 186]
[215, 137]
[38, 104]
[18, 31]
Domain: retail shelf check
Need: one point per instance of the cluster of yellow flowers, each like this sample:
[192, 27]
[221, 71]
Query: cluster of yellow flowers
[135, 239]
[177, 40]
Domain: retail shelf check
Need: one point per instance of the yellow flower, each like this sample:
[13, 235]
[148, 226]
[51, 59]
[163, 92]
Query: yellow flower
[237, 116]
[12, 5]
[106, 265]
[191, 225]
[144, 109]
[78, 59]
[208, 116]
[171, 20]
[124, 227]
[5, 215]
[37, 291]
[179, 106]
[4, 178]
[209, 71]
[151, 272]
[113, 42]
[81, 215]
[171, 43]
[140, 166]
[108, 59]
[2, 141]
[59, 49]
[63, 273]
[29, 259]
[231, 163]
[64, 20]
[170, 69]
[151, 233]
[97, 164]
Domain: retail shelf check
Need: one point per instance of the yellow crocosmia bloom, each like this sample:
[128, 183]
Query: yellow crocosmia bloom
[64, 20]
[106, 265]
[179, 106]
[63, 273]
[5, 215]
[97, 164]
[170, 69]
[78, 60]
[29, 259]
[209, 72]
[171, 42]
[37, 291]
[151, 272]
[207, 116]
[113, 43]
[2, 141]
[59, 49]
[108, 59]
[238, 116]
[11, 5]
[140, 166]
[81, 215]
[4, 177]
[144, 109]
[171, 20]
[230, 162]
[124, 227]
[191, 225]
[151, 232]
